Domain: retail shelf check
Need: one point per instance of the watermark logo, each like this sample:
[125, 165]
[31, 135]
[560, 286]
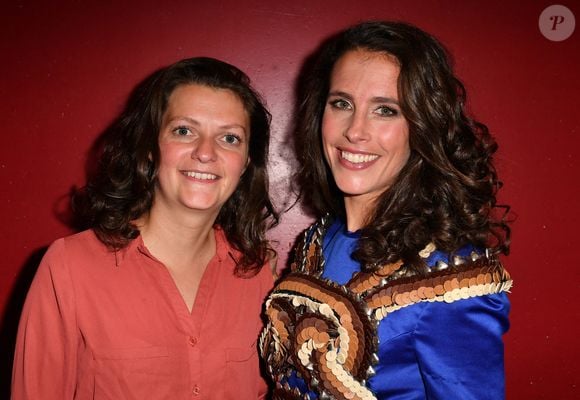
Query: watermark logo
[557, 23]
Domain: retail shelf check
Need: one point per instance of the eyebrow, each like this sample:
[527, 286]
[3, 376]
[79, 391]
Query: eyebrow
[195, 122]
[376, 99]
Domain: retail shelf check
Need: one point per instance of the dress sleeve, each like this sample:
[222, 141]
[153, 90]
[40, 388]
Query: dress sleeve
[459, 348]
[46, 346]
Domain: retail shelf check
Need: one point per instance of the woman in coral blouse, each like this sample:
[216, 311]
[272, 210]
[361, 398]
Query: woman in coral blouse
[161, 298]
[396, 291]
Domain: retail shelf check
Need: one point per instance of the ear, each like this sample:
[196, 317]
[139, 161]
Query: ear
[150, 157]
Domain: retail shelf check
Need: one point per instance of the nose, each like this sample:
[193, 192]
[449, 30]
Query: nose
[356, 130]
[204, 150]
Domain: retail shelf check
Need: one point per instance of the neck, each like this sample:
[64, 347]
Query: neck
[358, 210]
[176, 239]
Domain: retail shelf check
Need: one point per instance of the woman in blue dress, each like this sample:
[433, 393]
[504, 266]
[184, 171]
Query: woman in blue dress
[396, 291]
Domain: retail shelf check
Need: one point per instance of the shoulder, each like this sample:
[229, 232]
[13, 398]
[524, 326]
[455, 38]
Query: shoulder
[308, 249]
[79, 254]
[267, 275]
[85, 240]
[56, 270]
[228, 254]
[319, 228]
[473, 313]
[84, 244]
[438, 259]
[455, 278]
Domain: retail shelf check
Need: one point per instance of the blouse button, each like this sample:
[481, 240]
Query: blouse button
[192, 340]
[195, 390]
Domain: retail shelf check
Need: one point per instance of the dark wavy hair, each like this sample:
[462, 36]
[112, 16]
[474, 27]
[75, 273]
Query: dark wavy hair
[446, 192]
[122, 187]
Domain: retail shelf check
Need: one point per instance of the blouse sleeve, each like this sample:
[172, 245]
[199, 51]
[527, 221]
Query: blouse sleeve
[45, 357]
[459, 348]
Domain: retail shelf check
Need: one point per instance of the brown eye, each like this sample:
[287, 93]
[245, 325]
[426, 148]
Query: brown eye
[181, 131]
[231, 139]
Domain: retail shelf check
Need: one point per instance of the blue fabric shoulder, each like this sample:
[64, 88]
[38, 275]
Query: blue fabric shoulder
[428, 350]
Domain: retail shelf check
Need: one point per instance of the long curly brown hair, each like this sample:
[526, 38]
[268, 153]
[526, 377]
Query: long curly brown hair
[446, 192]
[122, 186]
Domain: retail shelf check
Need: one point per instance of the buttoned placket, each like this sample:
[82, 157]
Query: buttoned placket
[191, 323]
[194, 326]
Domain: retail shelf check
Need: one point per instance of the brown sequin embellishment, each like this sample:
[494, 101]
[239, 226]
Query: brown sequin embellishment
[327, 332]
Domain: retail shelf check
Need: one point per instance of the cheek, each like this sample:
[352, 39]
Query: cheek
[402, 149]
[328, 136]
[169, 153]
[327, 150]
[236, 164]
[328, 128]
[394, 138]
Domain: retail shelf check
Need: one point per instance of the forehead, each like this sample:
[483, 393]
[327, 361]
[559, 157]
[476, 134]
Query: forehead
[202, 100]
[363, 65]
[197, 92]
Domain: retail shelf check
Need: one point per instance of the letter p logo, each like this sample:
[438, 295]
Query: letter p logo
[557, 20]
[557, 23]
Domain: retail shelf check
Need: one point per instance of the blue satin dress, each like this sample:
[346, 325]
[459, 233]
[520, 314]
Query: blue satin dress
[430, 350]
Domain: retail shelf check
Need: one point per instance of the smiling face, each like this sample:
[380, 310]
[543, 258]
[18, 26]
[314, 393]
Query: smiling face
[203, 147]
[364, 133]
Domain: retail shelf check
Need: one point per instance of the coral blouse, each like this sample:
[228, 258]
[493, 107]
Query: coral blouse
[105, 325]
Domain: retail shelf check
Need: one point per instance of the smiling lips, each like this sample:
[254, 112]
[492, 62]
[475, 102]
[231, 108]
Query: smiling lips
[203, 176]
[357, 158]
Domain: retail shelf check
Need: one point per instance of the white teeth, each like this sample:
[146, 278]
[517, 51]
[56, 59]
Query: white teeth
[358, 158]
[201, 175]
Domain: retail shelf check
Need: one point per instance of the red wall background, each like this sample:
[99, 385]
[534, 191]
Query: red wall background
[66, 69]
